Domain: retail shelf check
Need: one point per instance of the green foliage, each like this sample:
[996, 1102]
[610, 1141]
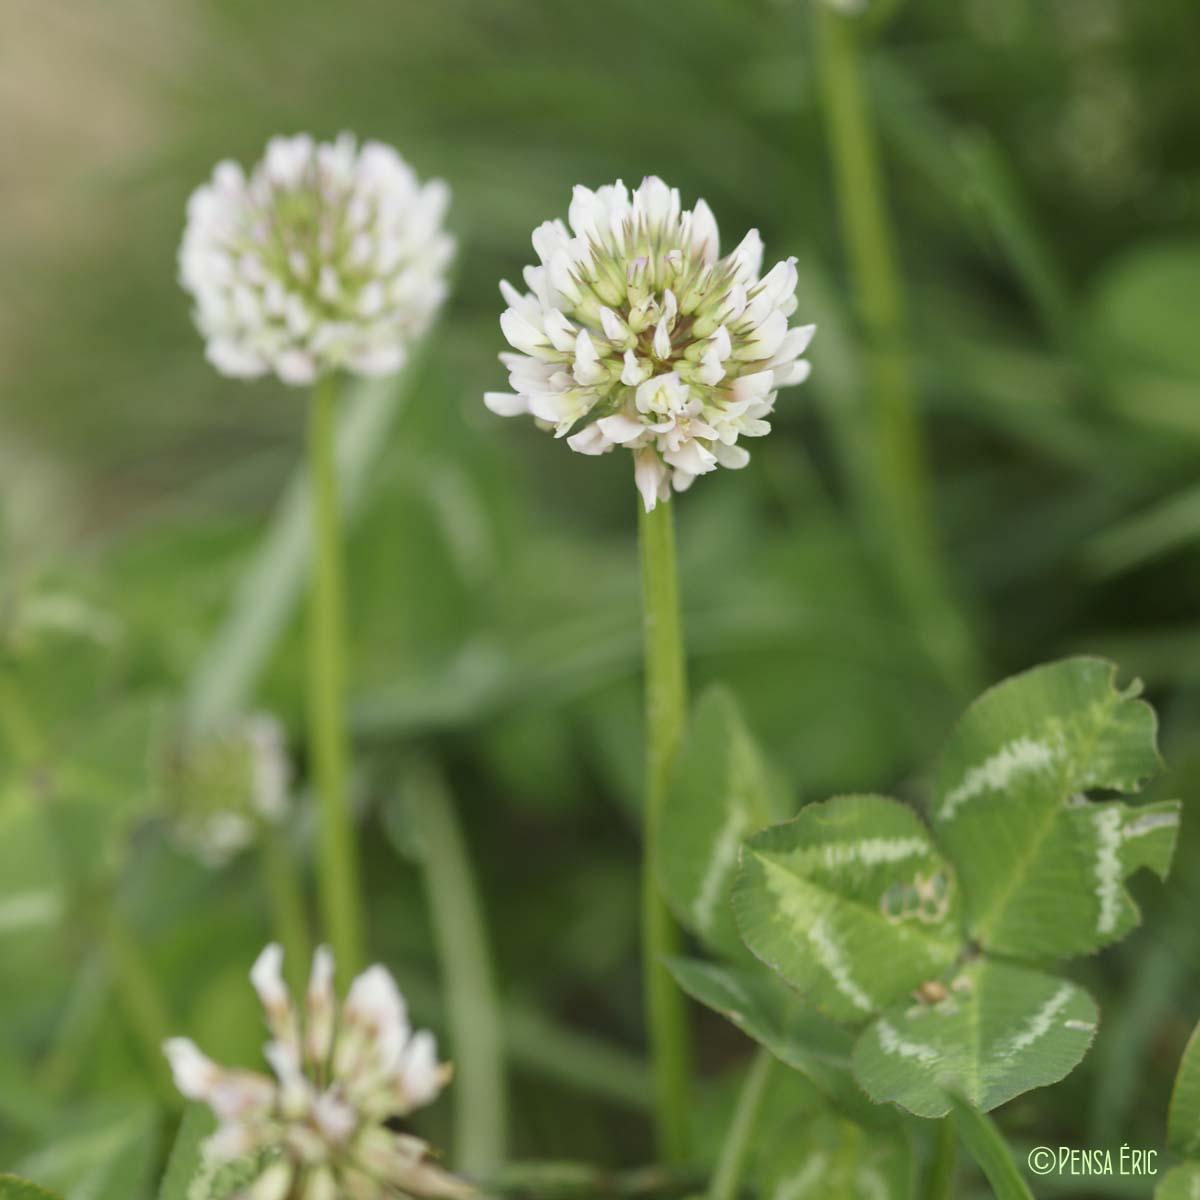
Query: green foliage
[831, 1158]
[851, 903]
[186, 1159]
[1049, 271]
[108, 1153]
[12, 1188]
[721, 791]
[999, 1031]
[1183, 1118]
[1010, 810]
[986, 1144]
[854, 905]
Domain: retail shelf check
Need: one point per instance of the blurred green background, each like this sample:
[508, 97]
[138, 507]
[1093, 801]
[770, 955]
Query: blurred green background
[1042, 168]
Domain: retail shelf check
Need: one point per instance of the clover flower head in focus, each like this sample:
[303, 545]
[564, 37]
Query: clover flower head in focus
[635, 332]
[320, 1123]
[326, 255]
[221, 786]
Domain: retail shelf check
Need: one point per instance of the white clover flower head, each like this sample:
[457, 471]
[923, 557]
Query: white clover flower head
[321, 1120]
[327, 255]
[223, 784]
[635, 332]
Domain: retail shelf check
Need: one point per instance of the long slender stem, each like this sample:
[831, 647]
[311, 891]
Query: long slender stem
[337, 851]
[945, 1161]
[468, 982]
[987, 1147]
[666, 715]
[739, 1137]
[898, 507]
[286, 897]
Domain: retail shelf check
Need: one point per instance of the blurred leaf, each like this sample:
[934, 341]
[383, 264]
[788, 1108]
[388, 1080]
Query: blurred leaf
[1142, 307]
[830, 1158]
[1042, 867]
[721, 791]
[224, 681]
[765, 1010]
[1180, 1183]
[1183, 1119]
[988, 1149]
[104, 1154]
[184, 1163]
[12, 1188]
[998, 1031]
[851, 903]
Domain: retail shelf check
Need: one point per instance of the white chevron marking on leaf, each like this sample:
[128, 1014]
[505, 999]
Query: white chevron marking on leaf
[797, 1186]
[1041, 1021]
[871, 852]
[893, 1042]
[1108, 867]
[829, 955]
[722, 862]
[1148, 823]
[1022, 755]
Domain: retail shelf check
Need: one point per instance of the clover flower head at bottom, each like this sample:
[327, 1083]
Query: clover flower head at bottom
[636, 332]
[320, 1123]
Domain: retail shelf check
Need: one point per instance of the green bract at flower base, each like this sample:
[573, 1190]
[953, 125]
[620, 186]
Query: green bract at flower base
[887, 925]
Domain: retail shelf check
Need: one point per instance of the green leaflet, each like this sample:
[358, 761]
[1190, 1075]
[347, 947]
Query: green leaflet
[1000, 1031]
[765, 1010]
[12, 1188]
[830, 1158]
[721, 792]
[1180, 1183]
[187, 1154]
[1183, 1117]
[851, 903]
[1010, 810]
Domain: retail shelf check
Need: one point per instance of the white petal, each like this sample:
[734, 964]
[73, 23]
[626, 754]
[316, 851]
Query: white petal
[621, 428]
[649, 473]
[506, 404]
[419, 1071]
[267, 977]
[590, 440]
[662, 340]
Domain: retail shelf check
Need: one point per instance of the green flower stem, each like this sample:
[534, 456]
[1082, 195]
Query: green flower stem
[666, 715]
[738, 1139]
[945, 1161]
[898, 506]
[337, 851]
[286, 896]
[468, 982]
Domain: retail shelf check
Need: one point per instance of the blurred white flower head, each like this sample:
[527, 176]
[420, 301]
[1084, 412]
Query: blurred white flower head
[221, 786]
[320, 1122]
[635, 332]
[327, 255]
